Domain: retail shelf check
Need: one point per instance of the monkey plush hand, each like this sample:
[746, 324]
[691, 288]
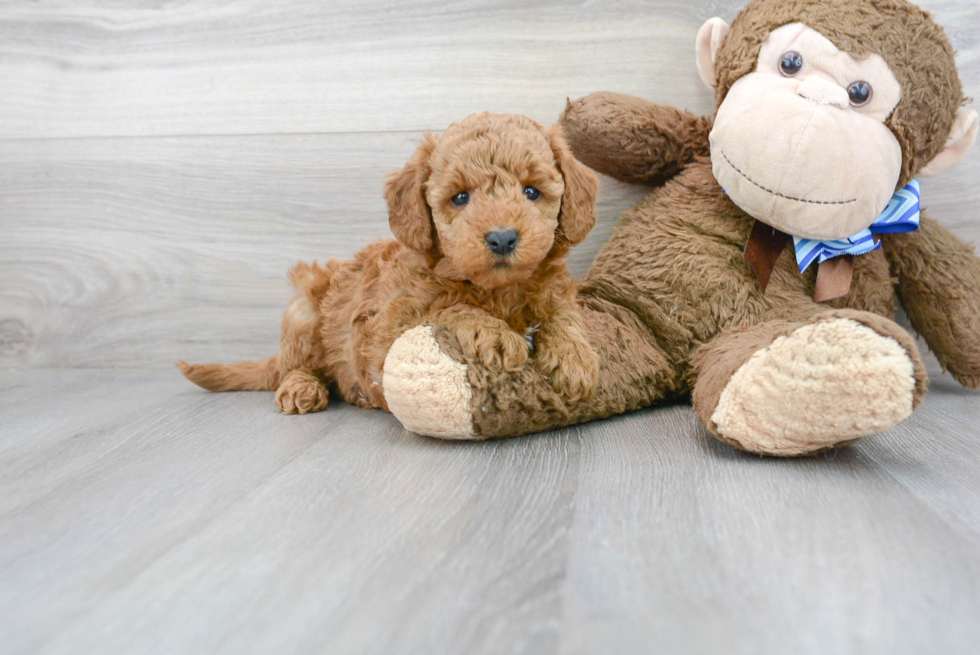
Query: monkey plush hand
[761, 274]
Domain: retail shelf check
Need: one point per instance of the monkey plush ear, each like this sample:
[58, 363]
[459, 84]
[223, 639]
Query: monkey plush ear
[577, 215]
[408, 213]
[961, 139]
[710, 36]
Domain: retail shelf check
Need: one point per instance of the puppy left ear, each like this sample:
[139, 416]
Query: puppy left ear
[409, 215]
[577, 214]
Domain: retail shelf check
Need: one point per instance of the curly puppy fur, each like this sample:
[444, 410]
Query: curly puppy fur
[346, 313]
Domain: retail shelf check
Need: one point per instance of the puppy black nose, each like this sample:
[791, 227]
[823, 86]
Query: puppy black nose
[502, 242]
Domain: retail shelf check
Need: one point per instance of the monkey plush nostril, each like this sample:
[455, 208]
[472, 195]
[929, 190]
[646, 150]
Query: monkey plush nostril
[501, 242]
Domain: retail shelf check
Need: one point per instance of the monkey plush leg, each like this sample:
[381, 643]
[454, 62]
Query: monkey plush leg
[631, 139]
[785, 388]
[301, 392]
[939, 287]
[434, 389]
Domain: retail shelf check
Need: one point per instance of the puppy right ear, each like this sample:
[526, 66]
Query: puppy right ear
[577, 214]
[409, 215]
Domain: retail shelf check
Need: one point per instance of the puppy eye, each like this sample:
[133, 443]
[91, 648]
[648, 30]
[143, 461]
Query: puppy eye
[859, 93]
[791, 63]
[461, 198]
[531, 193]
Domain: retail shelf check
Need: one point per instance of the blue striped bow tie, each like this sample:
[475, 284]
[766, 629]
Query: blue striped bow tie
[901, 215]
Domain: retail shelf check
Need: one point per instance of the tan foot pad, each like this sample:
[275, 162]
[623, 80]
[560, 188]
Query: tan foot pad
[426, 389]
[824, 384]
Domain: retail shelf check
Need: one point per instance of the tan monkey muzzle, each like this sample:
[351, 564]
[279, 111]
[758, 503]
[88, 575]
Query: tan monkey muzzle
[777, 147]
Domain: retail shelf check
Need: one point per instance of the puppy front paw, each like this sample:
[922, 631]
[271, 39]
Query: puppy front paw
[572, 369]
[497, 349]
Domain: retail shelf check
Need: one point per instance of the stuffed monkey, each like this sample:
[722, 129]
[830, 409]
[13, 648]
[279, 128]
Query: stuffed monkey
[760, 276]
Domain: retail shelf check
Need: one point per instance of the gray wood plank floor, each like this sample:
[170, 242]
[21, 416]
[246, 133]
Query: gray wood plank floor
[161, 167]
[139, 514]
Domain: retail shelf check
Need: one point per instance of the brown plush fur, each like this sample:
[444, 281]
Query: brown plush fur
[670, 304]
[346, 314]
[942, 300]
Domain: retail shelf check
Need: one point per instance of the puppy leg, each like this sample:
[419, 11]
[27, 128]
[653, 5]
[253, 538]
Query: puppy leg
[485, 338]
[301, 392]
[563, 355]
[300, 354]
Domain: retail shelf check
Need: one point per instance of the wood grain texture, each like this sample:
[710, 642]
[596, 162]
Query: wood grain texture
[252, 535]
[728, 552]
[302, 66]
[148, 516]
[162, 165]
[128, 252]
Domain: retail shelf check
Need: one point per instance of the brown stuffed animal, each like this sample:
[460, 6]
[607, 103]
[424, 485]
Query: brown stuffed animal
[826, 112]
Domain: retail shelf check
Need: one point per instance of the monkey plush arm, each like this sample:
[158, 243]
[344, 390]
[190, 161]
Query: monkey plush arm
[631, 139]
[939, 287]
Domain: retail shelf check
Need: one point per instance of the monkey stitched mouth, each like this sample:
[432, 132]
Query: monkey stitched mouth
[780, 195]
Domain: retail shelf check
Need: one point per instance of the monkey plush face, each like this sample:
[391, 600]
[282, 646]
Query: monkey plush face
[826, 107]
[783, 132]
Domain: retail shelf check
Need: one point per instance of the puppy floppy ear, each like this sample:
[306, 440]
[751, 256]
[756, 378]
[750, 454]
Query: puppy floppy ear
[577, 214]
[409, 215]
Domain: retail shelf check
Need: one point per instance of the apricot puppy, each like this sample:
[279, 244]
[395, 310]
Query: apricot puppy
[483, 216]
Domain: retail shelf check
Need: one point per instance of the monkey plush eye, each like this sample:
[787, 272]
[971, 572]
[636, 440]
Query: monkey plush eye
[461, 198]
[791, 63]
[531, 193]
[859, 93]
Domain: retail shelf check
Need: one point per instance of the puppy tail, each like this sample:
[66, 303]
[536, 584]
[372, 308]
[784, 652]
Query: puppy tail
[311, 281]
[262, 375]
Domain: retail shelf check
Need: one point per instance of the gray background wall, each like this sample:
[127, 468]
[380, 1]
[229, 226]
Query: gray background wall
[163, 164]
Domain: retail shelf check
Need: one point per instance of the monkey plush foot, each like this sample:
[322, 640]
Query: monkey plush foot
[825, 383]
[426, 389]
[301, 392]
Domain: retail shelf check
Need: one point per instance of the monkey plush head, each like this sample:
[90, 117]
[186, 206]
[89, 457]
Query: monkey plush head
[825, 108]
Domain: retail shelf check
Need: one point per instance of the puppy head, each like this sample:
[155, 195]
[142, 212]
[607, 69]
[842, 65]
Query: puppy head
[494, 196]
